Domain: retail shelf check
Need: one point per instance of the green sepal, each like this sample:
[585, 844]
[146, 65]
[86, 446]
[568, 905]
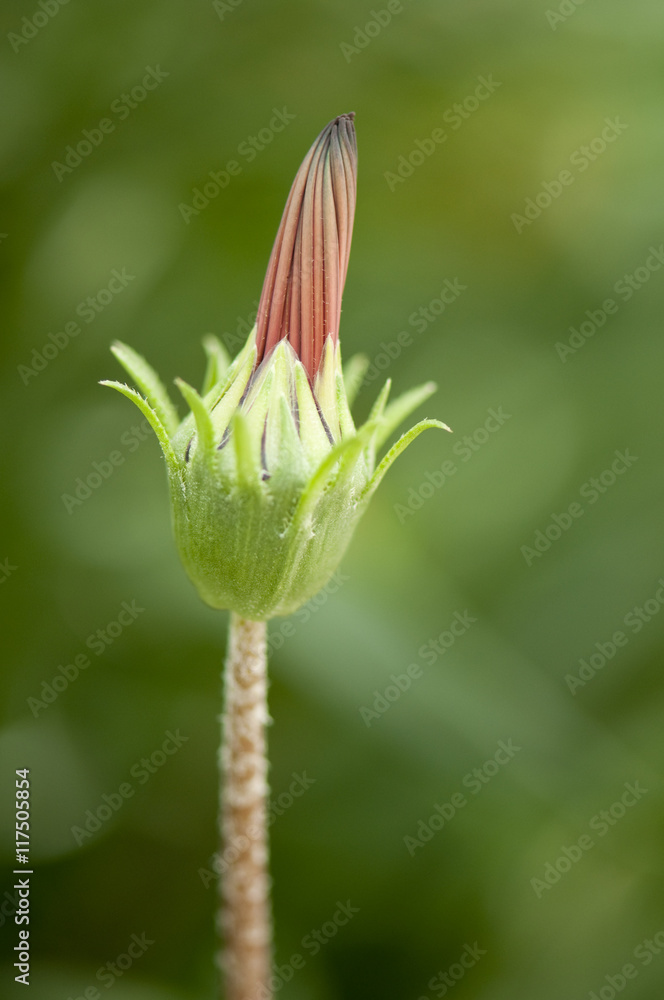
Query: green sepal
[400, 408]
[204, 428]
[221, 402]
[282, 449]
[268, 476]
[150, 385]
[326, 475]
[247, 469]
[218, 362]
[315, 439]
[396, 450]
[288, 465]
[378, 408]
[325, 388]
[354, 372]
[151, 417]
[346, 423]
[375, 418]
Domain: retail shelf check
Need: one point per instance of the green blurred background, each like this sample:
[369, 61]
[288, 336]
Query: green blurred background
[432, 545]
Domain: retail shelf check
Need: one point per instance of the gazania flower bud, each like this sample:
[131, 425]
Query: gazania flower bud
[301, 299]
[268, 474]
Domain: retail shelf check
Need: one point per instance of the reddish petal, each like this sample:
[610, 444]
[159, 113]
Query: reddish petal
[301, 297]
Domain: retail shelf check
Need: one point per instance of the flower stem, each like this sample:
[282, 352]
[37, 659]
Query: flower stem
[246, 919]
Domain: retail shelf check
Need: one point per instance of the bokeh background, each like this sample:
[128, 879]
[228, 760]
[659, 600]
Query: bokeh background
[433, 545]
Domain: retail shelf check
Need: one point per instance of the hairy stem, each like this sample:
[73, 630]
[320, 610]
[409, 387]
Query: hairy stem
[246, 919]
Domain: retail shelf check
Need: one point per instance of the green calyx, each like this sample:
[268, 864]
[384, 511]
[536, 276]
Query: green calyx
[268, 475]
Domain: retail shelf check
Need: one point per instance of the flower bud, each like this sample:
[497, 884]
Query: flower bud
[268, 474]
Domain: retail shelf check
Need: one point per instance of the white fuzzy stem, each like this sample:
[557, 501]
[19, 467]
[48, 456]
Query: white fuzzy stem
[246, 918]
